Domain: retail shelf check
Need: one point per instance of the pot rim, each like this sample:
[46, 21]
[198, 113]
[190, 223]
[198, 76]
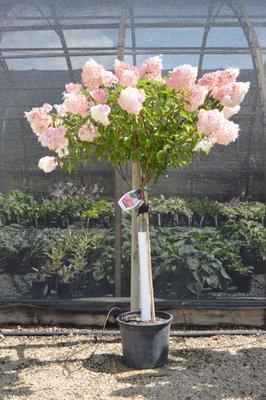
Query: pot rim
[167, 320]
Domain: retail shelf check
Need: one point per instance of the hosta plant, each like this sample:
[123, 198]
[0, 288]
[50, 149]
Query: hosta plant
[250, 237]
[137, 115]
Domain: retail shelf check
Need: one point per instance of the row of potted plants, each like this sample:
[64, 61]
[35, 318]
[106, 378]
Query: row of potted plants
[187, 262]
[190, 261]
[63, 270]
[90, 211]
[60, 211]
[203, 212]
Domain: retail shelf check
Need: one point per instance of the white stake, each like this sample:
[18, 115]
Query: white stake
[145, 298]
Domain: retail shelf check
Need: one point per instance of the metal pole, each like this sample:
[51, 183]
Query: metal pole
[118, 183]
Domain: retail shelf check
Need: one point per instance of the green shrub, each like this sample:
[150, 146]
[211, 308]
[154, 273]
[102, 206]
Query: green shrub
[100, 208]
[26, 247]
[252, 210]
[223, 248]
[205, 207]
[14, 245]
[172, 205]
[250, 237]
[70, 255]
[62, 209]
[18, 207]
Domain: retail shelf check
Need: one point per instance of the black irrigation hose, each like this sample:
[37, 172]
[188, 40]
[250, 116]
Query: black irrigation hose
[173, 334]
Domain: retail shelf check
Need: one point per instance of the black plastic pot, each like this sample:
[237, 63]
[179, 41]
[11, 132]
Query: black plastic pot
[52, 283]
[64, 290]
[244, 283]
[162, 219]
[39, 289]
[259, 267]
[257, 262]
[145, 345]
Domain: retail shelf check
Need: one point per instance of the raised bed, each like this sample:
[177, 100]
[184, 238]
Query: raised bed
[92, 312]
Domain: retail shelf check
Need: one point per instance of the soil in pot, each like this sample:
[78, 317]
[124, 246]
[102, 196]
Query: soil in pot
[145, 344]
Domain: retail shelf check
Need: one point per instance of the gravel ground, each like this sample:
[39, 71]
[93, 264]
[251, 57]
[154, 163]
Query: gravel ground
[59, 368]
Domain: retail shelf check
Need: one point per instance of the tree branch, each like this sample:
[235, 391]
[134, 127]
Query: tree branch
[122, 175]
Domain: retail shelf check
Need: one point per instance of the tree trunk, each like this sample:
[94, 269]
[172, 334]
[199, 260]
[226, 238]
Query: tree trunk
[141, 269]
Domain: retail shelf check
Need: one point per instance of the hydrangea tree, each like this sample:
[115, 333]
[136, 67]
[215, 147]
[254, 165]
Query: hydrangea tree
[137, 115]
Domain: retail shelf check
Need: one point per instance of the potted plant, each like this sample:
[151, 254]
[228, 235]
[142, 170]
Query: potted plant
[68, 259]
[229, 211]
[137, 115]
[65, 282]
[226, 250]
[39, 284]
[190, 268]
[18, 207]
[99, 214]
[205, 212]
[250, 238]
[241, 276]
[14, 246]
[252, 210]
[171, 211]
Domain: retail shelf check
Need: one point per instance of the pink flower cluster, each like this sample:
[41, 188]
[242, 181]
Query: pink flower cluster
[229, 111]
[61, 109]
[231, 94]
[39, 118]
[194, 97]
[54, 139]
[94, 75]
[219, 78]
[88, 133]
[126, 74]
[90, 101]
[131, 99]
[216, 127]
[223, 86]
[100, 112]
[152, 68]
[76, 104]
[47, 164]
[182, 77]
[73, 88]
[99, 95]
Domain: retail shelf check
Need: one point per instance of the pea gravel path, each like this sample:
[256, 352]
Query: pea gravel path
[215, 368]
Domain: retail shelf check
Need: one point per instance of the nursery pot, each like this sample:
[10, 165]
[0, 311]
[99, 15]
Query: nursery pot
[39, 289]
[244, 283]
[64, 290]
[145, 345]
[259, 266]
